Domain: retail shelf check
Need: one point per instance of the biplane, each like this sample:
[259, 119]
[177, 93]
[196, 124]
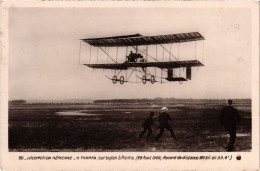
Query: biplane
[140, 61]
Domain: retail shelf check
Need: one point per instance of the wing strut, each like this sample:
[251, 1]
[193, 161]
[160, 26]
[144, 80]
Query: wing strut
[107, 54]
[161, 75]
[178, 51]
[126, 52]
[163, 55]
[202, 51]
[89, 54]
[79, 51]
[116, 53]
[168, 52]
[195, 50]
[97, 55]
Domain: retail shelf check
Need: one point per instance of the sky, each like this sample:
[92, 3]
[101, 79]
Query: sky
[44, 52]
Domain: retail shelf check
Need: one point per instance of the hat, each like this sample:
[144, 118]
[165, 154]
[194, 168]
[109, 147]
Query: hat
[164, 109]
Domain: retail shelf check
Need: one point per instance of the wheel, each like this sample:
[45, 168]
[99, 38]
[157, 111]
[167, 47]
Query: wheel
[122, 80]
[152, 79]
[114, 79]
[144, 79]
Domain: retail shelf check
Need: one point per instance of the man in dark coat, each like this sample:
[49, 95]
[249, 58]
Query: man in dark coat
[163, 124]
[229, 117]
[147, 125]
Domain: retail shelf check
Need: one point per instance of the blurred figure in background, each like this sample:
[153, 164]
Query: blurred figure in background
[147, 125]
[229, 117]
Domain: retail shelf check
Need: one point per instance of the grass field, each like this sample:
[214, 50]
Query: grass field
[117, 128]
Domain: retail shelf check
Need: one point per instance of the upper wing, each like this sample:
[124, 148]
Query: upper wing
[137, 40]
[170, 64]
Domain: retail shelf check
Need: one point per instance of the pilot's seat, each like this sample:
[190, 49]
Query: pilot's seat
[132, 57]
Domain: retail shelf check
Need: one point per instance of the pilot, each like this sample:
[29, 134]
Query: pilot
[147, 125]
[163, 124]
[229, 117]
[130, 57]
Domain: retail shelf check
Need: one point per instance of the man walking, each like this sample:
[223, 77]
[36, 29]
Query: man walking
[147, 125]
[229, 117]
[163, 124]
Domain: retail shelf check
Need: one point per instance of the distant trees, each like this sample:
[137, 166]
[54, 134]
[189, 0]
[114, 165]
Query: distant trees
[16, 102]
[169, 100]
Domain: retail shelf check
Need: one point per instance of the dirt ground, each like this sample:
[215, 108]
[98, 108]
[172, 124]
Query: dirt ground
[43, 128]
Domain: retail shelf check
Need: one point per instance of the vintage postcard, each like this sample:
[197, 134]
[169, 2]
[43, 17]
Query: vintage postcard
[129, 86]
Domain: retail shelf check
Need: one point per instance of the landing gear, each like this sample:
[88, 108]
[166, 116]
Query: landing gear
[152, 79]
[114, 79]
[144, 79]
[122, 80]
